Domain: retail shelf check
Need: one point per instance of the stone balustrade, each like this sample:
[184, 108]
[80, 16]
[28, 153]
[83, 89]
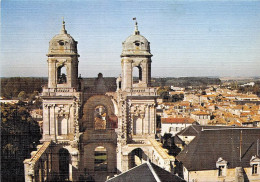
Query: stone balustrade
[58, 91]
[139, 91]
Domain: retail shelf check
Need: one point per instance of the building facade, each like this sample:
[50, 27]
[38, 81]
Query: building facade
[96, 134]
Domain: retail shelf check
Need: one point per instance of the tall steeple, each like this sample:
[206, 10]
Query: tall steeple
[63, 30]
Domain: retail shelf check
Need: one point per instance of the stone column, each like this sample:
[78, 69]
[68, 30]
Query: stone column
[143, 124]
[145, 71]
[69, 72]
[52, 119]
[153, 120]
[149, 118]
[125, 162]
[127, 73]
[119, 156]
[52, 73]
[46, 120]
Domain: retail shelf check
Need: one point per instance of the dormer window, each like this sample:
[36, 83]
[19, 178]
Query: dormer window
[137, 43]
[255, 163]
[221, 164]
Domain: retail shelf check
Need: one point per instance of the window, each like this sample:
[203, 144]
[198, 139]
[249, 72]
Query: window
[100, 118]
[254, 169]
[137, 74]
[255, 163]
[221, 170]
[61, 43]
[62, 76]
[100, 162]
[221, 165]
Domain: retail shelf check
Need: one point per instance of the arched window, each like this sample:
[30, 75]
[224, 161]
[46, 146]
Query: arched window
[62, 75]
[137, 74]
[100, 118]
[64, 158]
[100, 159]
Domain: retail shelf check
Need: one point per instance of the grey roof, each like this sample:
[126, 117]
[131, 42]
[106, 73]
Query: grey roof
[146, 172]
[195, 130]
[177, 140]
[203, 152]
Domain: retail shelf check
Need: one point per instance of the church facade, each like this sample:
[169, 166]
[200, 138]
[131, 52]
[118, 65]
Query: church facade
[97, 134]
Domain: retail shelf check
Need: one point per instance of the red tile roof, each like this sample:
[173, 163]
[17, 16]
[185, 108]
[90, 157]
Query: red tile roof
[177, 120]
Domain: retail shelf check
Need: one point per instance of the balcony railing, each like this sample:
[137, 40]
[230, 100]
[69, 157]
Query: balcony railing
[136, 91]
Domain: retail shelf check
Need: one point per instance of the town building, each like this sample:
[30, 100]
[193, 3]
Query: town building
[222, 154]
[174, 125]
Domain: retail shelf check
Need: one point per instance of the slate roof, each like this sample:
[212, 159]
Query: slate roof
[203, 152]
[195, 130]
[146, 172]
[177, 140]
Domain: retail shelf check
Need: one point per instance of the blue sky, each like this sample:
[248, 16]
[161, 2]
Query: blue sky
[188, 38]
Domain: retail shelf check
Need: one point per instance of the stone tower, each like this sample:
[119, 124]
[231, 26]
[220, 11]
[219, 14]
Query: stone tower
[63, 61]
[136, 101]
[136, 54]
[62, 97]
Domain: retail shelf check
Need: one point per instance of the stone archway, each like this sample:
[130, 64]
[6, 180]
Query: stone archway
[136, 157]
[100, 161]
[92, 106]
[107, 151]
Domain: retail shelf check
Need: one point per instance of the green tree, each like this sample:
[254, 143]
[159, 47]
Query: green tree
[19, 135]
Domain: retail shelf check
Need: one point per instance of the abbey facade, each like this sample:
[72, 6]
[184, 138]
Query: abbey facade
[95, 135]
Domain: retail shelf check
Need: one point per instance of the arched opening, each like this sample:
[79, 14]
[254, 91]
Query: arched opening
[100, 117]
[137, 74]
[136, 157]
[62, 75]
[95, 107]
[64, 158]
[100, 159]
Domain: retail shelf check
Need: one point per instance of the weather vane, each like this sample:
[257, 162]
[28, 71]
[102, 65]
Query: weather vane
[136, 27]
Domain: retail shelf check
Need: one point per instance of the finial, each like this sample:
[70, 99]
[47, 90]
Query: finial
[63, 30]
[136, 32]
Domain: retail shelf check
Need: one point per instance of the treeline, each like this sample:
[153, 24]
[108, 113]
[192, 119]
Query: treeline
[19, 136]
[25, 86]
[254, 89]
[185, 81]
